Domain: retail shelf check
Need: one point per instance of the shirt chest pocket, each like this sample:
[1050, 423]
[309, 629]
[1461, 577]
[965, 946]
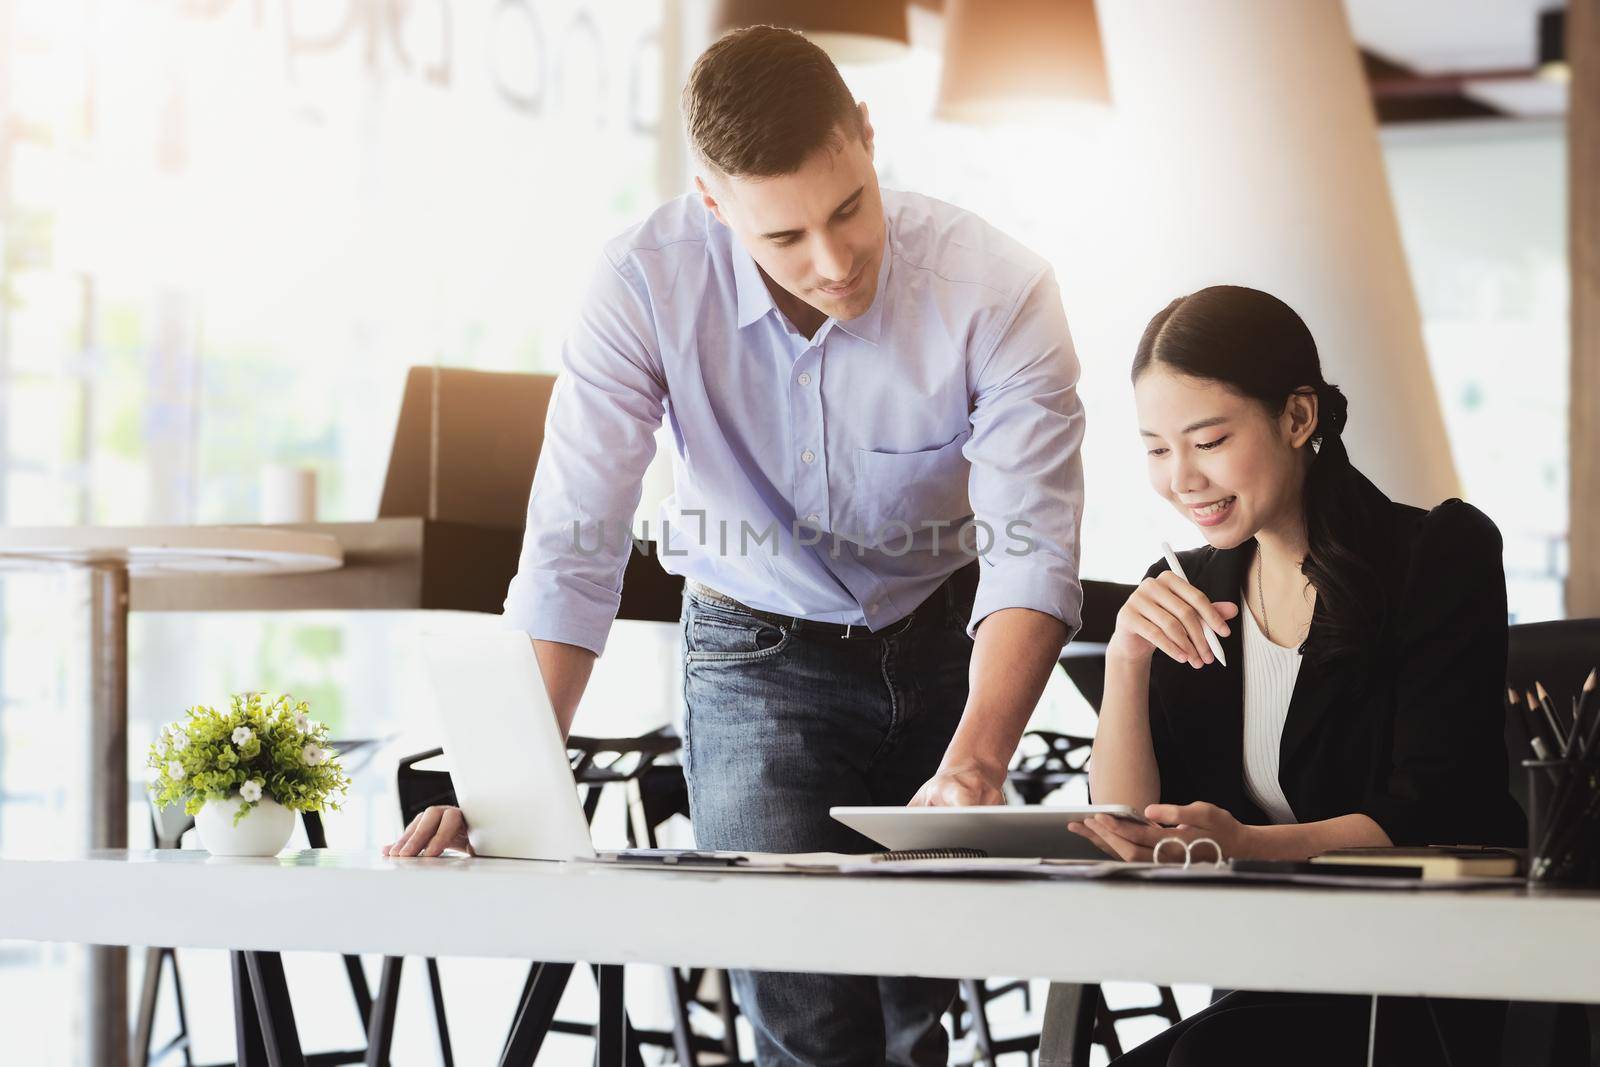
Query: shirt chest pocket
[894, 491]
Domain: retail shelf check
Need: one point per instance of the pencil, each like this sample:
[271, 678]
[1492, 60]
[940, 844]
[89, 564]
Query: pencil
[1211, 638]
[1536, 724]
[1590, 735]
[1542, 703]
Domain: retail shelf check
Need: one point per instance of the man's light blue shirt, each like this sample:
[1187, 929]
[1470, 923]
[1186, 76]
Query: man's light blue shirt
[840, 477]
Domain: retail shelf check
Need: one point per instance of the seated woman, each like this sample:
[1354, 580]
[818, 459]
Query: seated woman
[1365, 643]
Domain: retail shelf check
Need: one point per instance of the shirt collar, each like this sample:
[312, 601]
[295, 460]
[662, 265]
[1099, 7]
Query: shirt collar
[755, 299]
[868, 325]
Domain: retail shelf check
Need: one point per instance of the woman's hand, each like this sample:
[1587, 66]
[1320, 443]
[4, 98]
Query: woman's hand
[1131, 841]
[1167, 613]
[431, 832]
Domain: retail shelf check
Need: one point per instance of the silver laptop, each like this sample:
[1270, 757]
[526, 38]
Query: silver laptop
[508, 762]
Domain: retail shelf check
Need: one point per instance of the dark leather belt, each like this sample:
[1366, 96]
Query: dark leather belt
[955, 592]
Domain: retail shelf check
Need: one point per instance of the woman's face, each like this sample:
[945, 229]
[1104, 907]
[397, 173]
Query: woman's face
[1219, 457]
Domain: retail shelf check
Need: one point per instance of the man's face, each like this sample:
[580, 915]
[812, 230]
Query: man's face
[817, 233]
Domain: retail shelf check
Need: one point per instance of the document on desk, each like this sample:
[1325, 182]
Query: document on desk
[1206, 874]
[1116, 870]
[870, 863]
[709, 860]
[986, 867]
[889, 865]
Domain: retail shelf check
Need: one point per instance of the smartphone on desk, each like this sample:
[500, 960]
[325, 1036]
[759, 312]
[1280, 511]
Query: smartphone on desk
[675, 857]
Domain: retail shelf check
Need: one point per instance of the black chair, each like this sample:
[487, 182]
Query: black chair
[167, 828]
[655, 791]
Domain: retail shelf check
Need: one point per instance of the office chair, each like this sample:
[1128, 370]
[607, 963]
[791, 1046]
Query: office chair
[655, 791]
[168, 825]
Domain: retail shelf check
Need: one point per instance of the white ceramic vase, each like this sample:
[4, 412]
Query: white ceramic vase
[262, 832]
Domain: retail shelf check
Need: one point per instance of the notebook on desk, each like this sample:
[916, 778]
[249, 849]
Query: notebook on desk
[1431, 862]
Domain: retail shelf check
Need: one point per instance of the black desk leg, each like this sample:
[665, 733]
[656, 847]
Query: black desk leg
[1530, 1036]
[972, 993]
[380, 1027]
[275, 1015]
[1372, 1033]
[611, 1035]
[249, 1047]
[682, 1035]
[446, 1057]
[537, 1011]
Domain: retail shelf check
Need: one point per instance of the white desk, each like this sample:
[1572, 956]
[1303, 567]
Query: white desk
[1493, 944]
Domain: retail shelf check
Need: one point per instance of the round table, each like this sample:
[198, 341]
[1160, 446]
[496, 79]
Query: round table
[110, 554]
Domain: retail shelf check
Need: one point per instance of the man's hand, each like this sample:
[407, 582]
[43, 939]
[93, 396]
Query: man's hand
[1015, 652]
[430, 833]
[961, 787]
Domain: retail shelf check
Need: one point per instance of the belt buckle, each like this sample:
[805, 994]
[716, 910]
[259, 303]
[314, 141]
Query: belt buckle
[846, 635]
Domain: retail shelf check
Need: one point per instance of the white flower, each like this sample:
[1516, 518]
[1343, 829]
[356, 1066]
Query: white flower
[180, 741]
[241, 734]
[302, 722]
[250, 791]
[175, 771]
[314, 755]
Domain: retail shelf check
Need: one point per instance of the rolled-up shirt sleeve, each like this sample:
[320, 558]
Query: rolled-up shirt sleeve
[1026, 483]
[598, 440]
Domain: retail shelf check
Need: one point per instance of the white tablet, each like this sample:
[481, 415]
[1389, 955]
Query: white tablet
[1011, 831]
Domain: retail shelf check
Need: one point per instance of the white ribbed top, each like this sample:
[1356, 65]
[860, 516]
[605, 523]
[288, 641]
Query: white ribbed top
[1269, 674]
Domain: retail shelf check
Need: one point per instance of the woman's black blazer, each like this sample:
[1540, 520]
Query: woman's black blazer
[1411, 735]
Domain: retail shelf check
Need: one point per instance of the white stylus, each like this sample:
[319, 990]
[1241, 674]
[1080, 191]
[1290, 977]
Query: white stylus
[1211, 638]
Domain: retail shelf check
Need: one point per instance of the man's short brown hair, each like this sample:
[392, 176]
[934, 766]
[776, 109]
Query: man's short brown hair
[762, 99]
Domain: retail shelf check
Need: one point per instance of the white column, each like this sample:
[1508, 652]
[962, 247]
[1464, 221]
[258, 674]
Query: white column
[1253, 159]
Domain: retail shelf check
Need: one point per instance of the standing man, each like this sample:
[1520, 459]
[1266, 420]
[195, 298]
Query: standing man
[876, 431]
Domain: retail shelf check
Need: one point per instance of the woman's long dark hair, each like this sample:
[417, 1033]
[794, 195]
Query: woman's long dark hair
[1256, 345]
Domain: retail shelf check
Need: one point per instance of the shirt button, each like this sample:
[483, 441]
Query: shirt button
[872, 607]
[804, 379]
[807, 456]
[812, 518]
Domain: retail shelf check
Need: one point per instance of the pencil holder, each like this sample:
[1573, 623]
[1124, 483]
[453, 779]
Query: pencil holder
[1564, 822]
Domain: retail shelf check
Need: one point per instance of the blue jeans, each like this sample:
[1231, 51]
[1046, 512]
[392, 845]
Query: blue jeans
[779, 726]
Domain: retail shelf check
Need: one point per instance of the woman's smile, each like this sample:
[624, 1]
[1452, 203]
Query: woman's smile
[1213, 513]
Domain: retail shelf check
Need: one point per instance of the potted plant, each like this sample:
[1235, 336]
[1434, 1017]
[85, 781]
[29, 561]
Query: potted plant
[243, 773]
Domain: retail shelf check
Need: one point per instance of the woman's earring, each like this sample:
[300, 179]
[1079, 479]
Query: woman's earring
[1316, 445]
